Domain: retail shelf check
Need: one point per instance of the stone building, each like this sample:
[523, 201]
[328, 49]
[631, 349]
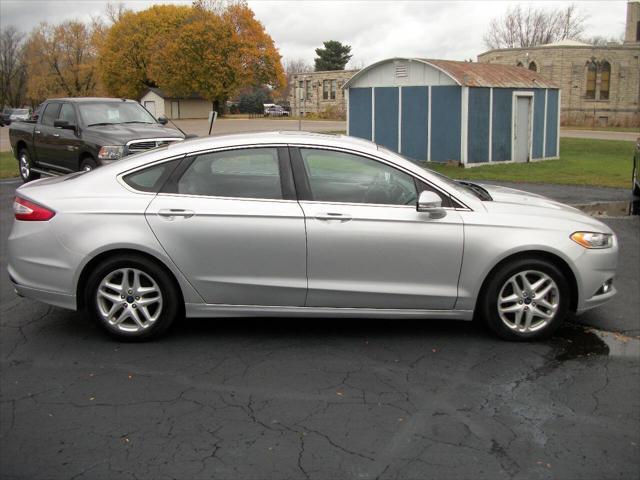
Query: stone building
[600, 85]
[319, 93]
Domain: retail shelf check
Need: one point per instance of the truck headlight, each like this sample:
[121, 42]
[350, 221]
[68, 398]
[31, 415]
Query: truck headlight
[593, 239]
[111, 152]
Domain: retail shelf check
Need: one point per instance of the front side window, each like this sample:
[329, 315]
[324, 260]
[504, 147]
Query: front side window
[67, 113]
[249, 173]
[50, 113]
[346, 178]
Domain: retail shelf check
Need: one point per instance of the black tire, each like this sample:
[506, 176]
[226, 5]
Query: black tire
[88, 164]
[170, 299]
[488, 301]
[25, 166]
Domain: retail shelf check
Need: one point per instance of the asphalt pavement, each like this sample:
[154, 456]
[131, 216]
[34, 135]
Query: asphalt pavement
[318, 398]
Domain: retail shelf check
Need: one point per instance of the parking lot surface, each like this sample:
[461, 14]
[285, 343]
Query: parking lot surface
[318, 398]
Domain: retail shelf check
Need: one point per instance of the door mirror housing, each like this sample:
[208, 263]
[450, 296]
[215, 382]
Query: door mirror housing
[431, 203]
[162, 120]
[64, 124]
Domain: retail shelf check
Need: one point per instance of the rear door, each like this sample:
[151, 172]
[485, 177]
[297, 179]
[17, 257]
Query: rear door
[231, 223]
[367, 245]
[44, 135]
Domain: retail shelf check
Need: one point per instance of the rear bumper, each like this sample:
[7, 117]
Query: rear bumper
[51, 298]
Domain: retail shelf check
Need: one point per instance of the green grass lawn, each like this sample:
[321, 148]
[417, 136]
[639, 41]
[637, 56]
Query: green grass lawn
[8, 165]
[603, 163]
[603, 129]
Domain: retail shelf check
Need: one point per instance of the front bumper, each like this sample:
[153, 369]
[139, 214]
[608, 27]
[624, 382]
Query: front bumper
[595, 269]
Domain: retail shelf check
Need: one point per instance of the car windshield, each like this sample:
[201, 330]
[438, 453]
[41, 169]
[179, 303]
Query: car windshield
[20, 111]
[108, 113]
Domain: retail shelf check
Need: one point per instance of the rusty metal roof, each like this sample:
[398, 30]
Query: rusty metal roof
[472, 74]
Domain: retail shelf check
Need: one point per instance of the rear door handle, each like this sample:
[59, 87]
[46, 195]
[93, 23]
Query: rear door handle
[171, 213]
[37, 132]
[341, 217]
[56, 135]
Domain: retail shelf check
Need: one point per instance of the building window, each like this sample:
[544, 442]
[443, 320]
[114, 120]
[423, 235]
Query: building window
[605, 75]
[533, 67]
[519, 64]
[590, 91]
[309, 89]
[329, 89]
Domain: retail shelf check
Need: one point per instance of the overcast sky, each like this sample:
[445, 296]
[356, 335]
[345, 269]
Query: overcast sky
[374, 29]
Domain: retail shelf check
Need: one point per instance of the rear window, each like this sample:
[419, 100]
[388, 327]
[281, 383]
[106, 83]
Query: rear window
[152, 178]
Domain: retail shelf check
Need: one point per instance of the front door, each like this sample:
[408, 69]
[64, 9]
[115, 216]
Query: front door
[45, 135]
[232, 225]
[367, 245]
[151, 106]
[65, 145]
[522, 129]
[175, 109]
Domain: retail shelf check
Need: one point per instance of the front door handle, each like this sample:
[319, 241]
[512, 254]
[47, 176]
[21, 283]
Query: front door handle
[56, 135]
[171, 213]
[341, 217]
[37, 132]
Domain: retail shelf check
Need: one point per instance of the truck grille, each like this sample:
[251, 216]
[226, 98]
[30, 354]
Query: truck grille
[135, 146]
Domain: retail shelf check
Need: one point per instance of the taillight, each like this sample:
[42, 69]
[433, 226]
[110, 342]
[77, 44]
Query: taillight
[30, 211]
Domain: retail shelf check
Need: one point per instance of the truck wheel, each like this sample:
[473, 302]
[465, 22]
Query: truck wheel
[88, 164]
[26, 166]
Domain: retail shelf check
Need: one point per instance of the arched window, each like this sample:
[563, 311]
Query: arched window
[519, 64]
[592, 69]
[605, 76]
[533, 67]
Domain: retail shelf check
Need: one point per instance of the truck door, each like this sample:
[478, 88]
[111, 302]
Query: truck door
[43, 135]
[65, 144]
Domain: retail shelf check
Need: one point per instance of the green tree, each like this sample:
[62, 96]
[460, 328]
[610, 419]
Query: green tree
[334, 56]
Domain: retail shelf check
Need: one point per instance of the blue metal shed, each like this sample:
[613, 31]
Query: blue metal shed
[443, 110]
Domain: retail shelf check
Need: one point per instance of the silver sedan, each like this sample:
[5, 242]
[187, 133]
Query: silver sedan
[299, 224]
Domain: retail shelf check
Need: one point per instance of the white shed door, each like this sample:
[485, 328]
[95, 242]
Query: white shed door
[151, 106]
[522, 130]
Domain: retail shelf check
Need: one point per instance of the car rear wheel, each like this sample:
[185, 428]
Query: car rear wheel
[132, 298]
[26, 167]
[526, 299]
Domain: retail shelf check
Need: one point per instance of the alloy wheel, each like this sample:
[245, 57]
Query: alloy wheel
[129, 300]
[528, 301]
[25, 168]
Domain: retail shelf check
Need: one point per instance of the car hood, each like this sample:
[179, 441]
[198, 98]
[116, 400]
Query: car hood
[119, 134]
[512, 201]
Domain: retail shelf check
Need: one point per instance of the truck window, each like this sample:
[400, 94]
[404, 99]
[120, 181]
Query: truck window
[67, 113]
[50, 113]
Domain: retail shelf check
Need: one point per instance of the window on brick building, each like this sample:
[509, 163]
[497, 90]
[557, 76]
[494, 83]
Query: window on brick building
[533, 67]
[328, 89]
[592, 69]
[309, 93]
[605, 76]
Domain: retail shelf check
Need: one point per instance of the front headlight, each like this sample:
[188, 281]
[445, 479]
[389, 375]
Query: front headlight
[593, 239]
[111, 152]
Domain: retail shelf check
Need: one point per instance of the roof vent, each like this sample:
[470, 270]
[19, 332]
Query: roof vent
[402, 70]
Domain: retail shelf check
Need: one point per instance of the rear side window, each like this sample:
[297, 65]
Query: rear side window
[151, 179]
[50, 113]
[246, 173]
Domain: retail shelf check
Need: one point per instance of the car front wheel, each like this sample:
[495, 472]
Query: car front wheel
[526, 300]
[132, 298]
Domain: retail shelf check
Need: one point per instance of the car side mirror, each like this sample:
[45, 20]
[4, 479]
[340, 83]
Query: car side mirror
[431, 203]
[162, 120]
[63, 124]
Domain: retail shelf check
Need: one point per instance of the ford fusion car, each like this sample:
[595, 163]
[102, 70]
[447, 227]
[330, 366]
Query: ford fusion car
[300, 224]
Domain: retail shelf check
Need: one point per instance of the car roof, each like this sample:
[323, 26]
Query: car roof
[278, 137]
[90, 99]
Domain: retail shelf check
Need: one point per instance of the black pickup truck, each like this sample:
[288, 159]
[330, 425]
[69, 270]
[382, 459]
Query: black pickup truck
[72, 134]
